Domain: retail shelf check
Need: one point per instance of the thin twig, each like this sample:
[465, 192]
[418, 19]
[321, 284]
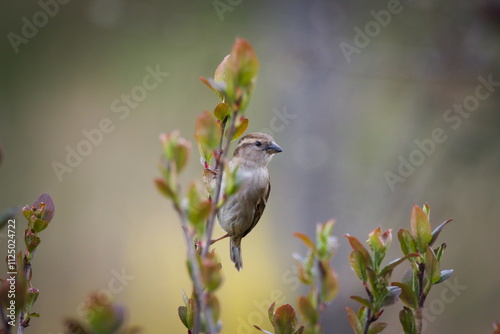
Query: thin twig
[27, 271]
[421, 297]
[369, 319]
[221, 158]
[198, 284]
[20, 329]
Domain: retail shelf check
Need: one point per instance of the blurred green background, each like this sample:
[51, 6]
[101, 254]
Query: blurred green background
[343, 119]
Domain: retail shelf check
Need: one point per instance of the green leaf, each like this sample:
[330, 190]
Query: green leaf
[408, 278]
[444, 275]
[183, 315]
[31, 297]
[218, 88]
[325, 242]
[240, 73]
[373, 282]
[240, 128]
[356, 325]
[437, 231]
[284, 319]
[221, 111]
[270, 313]
[307, 310]
[376, 327]
[427, 210]
[214, 304]
[392, 296]
[432, 272]
[362, 301]
[305, 239]
[176, 150]
[211, 272]
[39, 225]
[439, 251]
[358, 265]
[300, 330]
[208, 130]
[408, 321]
[374, 240]
[329, 282]
[191, 311]
[407, 296]
[420, 228]
[198, 209]
[32, 240]
[407, 242]
[362, 314]
[388, 268]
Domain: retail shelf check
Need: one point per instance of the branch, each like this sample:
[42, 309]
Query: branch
[197, 280]
[220, 168]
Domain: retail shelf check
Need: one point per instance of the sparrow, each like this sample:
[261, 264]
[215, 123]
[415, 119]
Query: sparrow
[241, 212]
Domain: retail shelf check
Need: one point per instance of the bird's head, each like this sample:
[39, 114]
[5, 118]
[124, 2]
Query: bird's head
[256, 148]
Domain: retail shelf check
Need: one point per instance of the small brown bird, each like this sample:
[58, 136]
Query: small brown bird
[242, 211]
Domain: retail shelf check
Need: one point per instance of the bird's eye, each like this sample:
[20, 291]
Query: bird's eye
[258, 144]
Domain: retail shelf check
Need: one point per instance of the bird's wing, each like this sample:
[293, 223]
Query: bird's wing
[259, 208]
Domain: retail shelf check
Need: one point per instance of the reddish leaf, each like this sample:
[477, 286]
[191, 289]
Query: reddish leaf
[305, 239]
[356, 325]
[356, 245]
[284, 319]
[45, 201]
[220, 74]
[163, 187]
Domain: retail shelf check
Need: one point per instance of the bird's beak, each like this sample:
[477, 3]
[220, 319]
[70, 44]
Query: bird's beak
[273, 148]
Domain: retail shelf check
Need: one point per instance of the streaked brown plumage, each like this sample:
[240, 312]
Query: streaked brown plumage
[242, 211]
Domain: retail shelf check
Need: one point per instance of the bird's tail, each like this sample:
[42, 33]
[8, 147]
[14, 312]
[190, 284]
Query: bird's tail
[235, 250]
